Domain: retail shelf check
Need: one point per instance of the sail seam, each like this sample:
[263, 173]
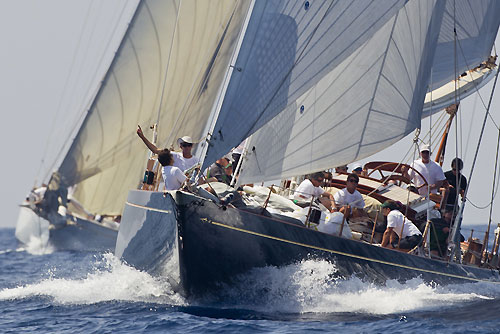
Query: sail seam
[382, 67]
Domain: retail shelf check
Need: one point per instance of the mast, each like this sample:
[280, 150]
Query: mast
[222, 91]
[452, 111]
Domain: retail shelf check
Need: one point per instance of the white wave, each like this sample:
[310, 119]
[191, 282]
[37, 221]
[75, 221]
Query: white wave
[313, 286]
[110, 280]
[39, 246]
[7, 251]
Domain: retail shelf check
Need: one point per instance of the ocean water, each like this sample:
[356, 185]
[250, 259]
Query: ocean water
[43, 291]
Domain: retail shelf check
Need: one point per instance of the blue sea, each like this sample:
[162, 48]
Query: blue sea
[47, 291]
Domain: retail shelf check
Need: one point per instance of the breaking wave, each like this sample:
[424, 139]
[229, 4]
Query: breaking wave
[109, 280]
[311, 286]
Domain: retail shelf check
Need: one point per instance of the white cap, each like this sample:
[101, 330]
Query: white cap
[356, 166]
[185, 139]
[425, 148]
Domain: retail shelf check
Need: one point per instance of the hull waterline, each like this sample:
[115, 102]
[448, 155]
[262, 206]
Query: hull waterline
[200, 245]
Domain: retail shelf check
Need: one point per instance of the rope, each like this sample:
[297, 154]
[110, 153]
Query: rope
[475, 156]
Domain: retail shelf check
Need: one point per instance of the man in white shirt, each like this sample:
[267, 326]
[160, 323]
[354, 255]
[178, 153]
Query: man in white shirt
[349, 198]
[185, 160]
[173, 176]
[311, 188]
[431, 171]
[397, 224]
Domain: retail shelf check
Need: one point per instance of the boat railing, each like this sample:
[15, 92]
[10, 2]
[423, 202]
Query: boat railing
[471, 249]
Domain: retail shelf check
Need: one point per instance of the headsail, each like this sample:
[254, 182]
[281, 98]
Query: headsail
[369, 101]
[476, 25]
[190, 42]
[288, 47]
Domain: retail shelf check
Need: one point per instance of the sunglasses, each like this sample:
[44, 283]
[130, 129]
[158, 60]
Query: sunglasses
[228, 165]
[352, 180]
[186, 145]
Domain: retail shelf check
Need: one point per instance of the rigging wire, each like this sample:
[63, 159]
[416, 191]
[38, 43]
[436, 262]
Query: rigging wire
[79, 119]
[85, 58]
[58, 108]
[477, 149]
[182, 115]
[168, 65]
[492, 192]
[475, 84]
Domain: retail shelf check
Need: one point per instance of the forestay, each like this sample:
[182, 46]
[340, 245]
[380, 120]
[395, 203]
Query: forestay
[179, 48]
[370, 100]
[287, 48]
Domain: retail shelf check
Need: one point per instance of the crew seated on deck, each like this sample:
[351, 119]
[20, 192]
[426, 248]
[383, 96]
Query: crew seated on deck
[440, 229]
[311, 187]
[350, 199]
[220, 171]
[398, 226]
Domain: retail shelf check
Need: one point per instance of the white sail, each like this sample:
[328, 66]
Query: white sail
[288, 47]
[369, 101]
[178, 49]
[476, 23]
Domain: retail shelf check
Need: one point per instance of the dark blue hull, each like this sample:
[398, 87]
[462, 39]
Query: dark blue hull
[203, 245]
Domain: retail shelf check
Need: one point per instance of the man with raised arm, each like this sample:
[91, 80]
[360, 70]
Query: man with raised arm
[183, 160]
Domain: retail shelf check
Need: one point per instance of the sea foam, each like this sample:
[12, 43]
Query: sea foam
[314, 286]
[109, 280]
[311, 286]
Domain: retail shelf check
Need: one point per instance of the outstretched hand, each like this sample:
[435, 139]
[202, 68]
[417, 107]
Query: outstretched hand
[139, 131]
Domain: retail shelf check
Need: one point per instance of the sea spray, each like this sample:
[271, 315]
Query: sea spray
[109, 280]
[314, 286]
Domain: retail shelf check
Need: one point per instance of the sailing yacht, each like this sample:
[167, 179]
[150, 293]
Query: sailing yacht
[315, 84]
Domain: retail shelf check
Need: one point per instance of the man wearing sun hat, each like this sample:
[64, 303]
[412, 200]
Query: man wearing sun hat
[182, 160]
[431, 171]
[185, 159]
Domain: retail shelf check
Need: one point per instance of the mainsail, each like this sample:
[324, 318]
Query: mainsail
[168, 69]
[373, 99]
[288, 47]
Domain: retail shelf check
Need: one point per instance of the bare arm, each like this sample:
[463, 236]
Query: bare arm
[388, 236]
[437, 185]
[149, 144]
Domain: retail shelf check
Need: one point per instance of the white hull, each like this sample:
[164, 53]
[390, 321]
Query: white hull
[76, 234]
[31, 227]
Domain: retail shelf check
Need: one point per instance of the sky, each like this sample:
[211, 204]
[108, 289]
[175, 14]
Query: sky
[54, 53]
